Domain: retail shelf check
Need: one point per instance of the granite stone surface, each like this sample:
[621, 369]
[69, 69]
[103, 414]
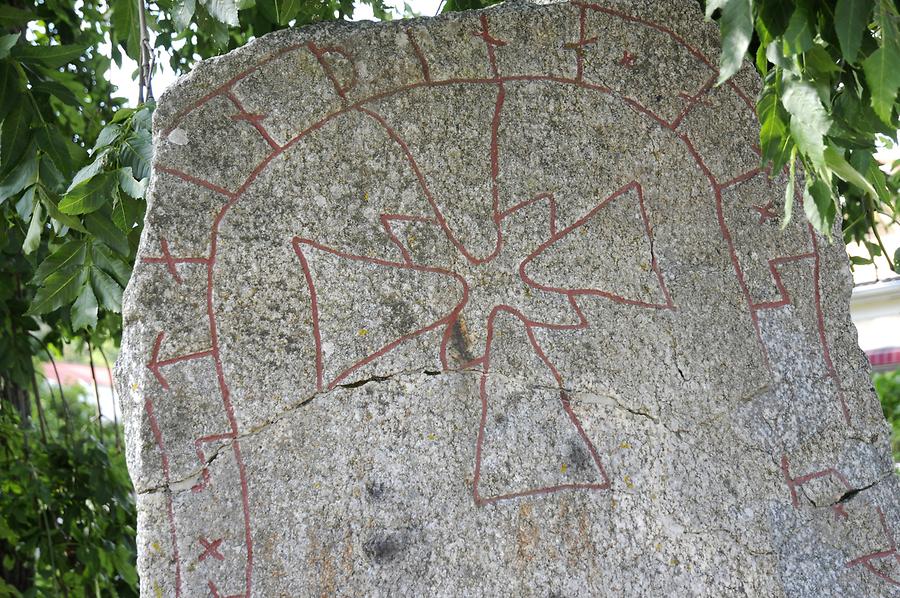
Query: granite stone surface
[492, 304]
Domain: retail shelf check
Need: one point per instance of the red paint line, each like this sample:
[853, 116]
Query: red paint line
[779, 284]
[170, 510]
[579, 46]
[226, 397]
[423, 63]
[179, 116]
[197, 181]
[386, 220]
[319, 52]
[211, 549]
[556, 237]
[255, 120]
[693, 100]
[423, 184]
[298, 242]
[820, 325]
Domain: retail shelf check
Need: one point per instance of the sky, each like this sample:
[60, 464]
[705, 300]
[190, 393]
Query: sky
[125, 77]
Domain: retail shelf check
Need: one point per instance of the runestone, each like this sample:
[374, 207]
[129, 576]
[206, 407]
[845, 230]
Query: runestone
[497, 303]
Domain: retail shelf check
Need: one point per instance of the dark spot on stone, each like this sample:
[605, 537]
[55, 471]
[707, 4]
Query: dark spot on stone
[659, 98]
[431, 372]
[375, 489]
[459, 340]
[382, 548]
[500, 418]
[402, 316]
[577, 455]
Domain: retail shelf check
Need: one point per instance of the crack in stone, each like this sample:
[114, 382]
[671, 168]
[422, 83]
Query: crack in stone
[176, 485]
[734, 538]
[851, 494]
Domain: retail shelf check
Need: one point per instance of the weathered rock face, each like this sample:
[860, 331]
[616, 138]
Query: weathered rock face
[494, 304]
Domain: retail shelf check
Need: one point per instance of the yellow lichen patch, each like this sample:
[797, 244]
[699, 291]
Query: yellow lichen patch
[432, 436]
[564, 467]
[624, 445]
[362, 332]
[628, 481]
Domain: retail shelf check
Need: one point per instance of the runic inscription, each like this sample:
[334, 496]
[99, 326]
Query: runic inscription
[493, 304]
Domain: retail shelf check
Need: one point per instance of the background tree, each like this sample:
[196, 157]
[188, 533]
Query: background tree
[74, 164]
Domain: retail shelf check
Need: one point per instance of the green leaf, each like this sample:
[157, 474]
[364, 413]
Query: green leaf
[736, 26]
[100, 225]
[55, 145]
[143, 118]
[860, 261]
[182, 14]
[798, 37]
[68, 257]
[126, 26]
[774, 135]
[790, 190]
[60, 288]
[809, 120]
[111, 264]
[775, 14]
[122, 114]
[51, 56]
[882, 71]
[107, 289]
[60, 91]
[90, 170]
[820, 206]
[50, 202]
[820, 62]
[90, 195]
[285, 10]
[14, 137]
[129, 185]
[224, 11]
[10, 87]
[14, 17]
[851, 17]
[23, 175]
[25, 205]
[84, 310]
[137, 152]
[33, 237]
[107, 135]
[836, 162]
[874, 249]
[7, 42]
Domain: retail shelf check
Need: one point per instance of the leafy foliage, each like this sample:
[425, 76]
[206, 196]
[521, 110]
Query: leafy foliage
[887, 385]
[67, 512]
[831, 74]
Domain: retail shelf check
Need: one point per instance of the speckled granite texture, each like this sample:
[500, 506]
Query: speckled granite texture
[492, 304]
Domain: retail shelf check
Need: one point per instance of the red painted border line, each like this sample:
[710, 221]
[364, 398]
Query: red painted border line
[170, 510]
[423, 63]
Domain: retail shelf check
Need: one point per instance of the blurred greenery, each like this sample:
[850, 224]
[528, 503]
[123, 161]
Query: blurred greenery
[67, 508]
[887, 385]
